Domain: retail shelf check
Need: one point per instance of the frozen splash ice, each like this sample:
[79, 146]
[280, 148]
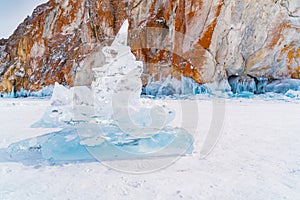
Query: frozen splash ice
[172, 86]
[263, 88]
[46, 91]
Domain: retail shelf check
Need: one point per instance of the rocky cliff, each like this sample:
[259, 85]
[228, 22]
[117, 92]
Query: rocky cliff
[205, 40]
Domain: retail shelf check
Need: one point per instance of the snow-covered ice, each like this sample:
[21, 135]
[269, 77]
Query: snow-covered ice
[257, 157]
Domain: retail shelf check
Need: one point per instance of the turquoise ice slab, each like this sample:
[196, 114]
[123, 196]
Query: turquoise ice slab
[55, 144]
[68, 146]
[164, 143]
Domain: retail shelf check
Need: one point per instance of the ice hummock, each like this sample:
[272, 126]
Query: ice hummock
[63, 103]
[117, 89]
[109, 120]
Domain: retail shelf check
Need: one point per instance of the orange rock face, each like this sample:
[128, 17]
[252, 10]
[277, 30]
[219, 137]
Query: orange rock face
[204, 40]
[47, 47]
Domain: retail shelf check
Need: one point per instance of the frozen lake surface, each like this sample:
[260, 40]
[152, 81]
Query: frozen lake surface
[257, 157]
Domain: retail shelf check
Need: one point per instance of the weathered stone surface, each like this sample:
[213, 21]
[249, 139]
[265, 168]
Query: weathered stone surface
[205, 40]
[49, 46]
